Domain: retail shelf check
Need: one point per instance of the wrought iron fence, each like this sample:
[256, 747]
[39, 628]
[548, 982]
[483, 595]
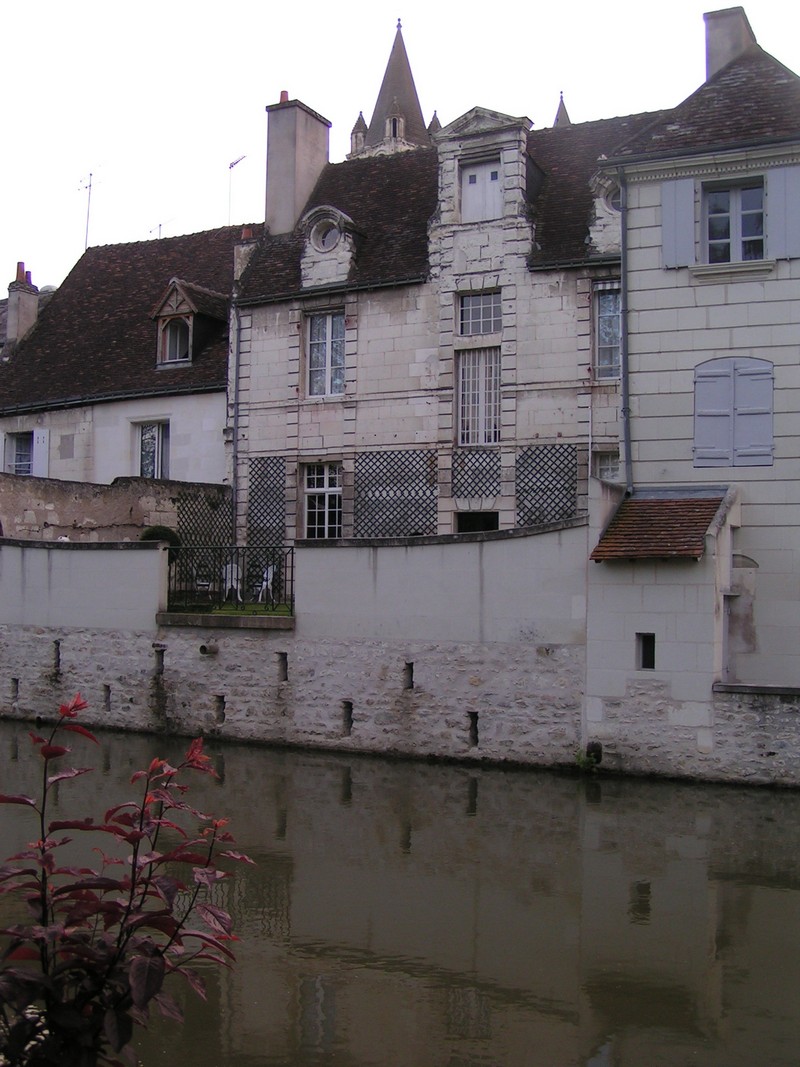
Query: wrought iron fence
[252, 579]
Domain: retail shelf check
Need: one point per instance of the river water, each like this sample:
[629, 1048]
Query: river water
[441, 916]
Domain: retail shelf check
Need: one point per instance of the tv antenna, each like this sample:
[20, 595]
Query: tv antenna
[86, 183]
[230, 180]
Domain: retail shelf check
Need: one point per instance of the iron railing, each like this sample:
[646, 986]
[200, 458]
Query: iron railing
[257, 579]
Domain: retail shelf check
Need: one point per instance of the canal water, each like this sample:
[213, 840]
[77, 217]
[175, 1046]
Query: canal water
[442, 916]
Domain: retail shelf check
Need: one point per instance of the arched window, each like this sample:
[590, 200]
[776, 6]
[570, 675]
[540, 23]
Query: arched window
[175, 341]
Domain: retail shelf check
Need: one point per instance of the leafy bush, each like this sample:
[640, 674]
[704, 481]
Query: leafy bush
[94, 957]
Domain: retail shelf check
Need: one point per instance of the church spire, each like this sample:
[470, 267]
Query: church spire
[397, 116]
[562, 116]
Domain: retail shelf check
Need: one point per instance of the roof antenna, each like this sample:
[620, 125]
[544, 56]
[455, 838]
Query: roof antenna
[87, 184]
[230, 179]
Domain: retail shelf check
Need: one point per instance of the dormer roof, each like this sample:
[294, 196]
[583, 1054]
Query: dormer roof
[398, 95]
[194, 299]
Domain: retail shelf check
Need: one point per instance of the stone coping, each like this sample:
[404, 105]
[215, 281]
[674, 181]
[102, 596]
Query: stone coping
[87, 546]
[225, 622]
[444, 539]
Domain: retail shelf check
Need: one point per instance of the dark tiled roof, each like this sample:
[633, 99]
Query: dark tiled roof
[658, 528]
[753, 100]
[568, 157]
[96, 340]
[398, 92]
[389, 198]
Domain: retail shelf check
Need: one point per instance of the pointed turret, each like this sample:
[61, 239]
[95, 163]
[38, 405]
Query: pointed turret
[397, 123]
[562, 116]
[358, 135]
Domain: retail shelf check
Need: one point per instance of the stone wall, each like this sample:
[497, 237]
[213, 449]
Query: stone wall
[45, 509]
[459, 701]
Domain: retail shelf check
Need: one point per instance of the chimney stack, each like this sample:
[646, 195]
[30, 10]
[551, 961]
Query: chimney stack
[23, 306]
[297, 152]
[728, 35]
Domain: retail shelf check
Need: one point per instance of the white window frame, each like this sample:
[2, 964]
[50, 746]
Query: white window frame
[173, 330]
[325, 344]
[479, 407]
[607, 465]
[480, 313]
[27, 453]
[322, 485]
[735, 242]
[481, 191]
[161, 453]
[607, 330]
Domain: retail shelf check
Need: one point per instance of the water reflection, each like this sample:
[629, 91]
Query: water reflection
[404, 914]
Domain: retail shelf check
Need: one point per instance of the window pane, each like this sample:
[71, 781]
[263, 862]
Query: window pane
[147, 453]
[719, 201]
[753, 199]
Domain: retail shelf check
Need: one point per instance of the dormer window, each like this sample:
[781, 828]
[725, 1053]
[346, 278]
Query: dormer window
[325, 235]
[481, 191]
[176, 340]
[188, 318]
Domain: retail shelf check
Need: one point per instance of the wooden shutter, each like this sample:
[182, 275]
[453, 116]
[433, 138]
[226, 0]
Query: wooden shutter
[40, 463]
[783, 213]
[677, 222]
[713, 414]
[752, 413]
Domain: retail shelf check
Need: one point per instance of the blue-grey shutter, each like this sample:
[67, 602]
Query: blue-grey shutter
[40, 461]
[783, 213]
[713, 414]
[677, 222]
[752, 413]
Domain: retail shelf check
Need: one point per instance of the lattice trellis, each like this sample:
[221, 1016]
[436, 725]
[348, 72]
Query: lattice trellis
[395, 494]
[205, 516]
[266, 501]
[476, 472]
[547, 484]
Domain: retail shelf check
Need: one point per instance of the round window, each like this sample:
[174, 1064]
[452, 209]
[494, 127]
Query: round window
[614, 199]
[325, 235]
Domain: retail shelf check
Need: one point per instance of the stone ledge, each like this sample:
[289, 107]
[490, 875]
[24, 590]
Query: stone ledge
[758, 690]
[225, 622]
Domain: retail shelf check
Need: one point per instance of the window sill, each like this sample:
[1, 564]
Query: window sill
[169, 364]
[712, 272]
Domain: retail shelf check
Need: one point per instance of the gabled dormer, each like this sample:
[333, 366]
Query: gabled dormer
[329, 247]
[483, 167]
[186, 316]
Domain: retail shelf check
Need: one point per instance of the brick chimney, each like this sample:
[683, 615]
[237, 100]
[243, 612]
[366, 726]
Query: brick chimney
[297, 151]
[23, 306]
[728, 34]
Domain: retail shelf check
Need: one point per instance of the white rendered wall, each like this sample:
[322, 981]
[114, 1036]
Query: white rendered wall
[98, 443]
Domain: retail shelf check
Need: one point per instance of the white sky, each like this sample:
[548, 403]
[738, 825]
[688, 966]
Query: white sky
[156, 98]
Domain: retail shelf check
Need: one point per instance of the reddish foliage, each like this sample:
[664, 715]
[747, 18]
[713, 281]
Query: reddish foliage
[99, 947]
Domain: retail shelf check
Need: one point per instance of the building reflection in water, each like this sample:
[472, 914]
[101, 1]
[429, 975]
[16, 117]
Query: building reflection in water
[413, 914]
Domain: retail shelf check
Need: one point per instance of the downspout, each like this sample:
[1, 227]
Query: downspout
[623, 341]
[235, 449]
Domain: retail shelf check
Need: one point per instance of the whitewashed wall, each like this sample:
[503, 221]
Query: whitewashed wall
[98, 443]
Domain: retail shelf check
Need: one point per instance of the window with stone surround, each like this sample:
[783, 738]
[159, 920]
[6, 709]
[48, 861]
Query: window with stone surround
[479, 313]
[733, 222]
[733, 413]
[607, 329]
[606, 465]
[479, 396]
[323, 499]
[153, 442]
[481, 191]
[325, 341]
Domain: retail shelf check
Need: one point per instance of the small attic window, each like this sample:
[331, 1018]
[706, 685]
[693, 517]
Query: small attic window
[325, 235]
[175, 344]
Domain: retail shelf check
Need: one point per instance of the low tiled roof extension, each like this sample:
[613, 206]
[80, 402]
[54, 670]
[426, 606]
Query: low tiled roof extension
[96, 339]
[753, 100]
[659, 528]
[390, 200]
[568, 157]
